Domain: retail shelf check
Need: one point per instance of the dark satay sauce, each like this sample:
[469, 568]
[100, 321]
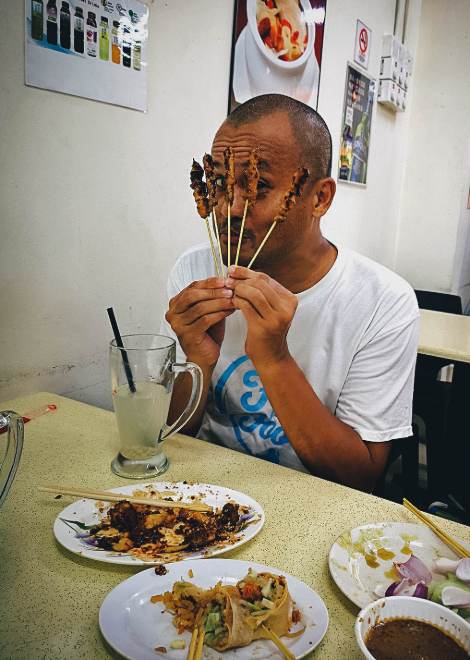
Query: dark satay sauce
[408, 639]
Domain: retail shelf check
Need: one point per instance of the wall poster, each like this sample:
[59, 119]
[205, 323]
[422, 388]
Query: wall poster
[276, 47]
[357, 117]
[91, 48]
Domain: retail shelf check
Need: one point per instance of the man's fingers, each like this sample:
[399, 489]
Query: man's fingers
[242, 273]
[204, 323]
[193, 295]
[271, 294]
[201, 309]
[256, 297]
[209, 283]
[247, 309]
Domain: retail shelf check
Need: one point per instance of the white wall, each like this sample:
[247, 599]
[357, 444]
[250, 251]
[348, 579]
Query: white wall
[432, 225]
[366, 219]
[95, 203]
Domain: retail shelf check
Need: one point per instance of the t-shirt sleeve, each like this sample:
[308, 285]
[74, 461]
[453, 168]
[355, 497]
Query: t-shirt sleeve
[377, 396]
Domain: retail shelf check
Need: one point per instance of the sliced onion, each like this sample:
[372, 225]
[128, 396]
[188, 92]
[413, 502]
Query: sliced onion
[414, 570]
[379, 590]
[444, 565]
[421, 590]
[463, 570]
[391, 589]
[402, 588]
[455, 597]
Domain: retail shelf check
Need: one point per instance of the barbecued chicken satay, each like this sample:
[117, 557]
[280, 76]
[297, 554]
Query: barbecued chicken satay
[290, 197]
[211, 182]
[200, 194]
[252, 179]
[288, 201]
[229, 188]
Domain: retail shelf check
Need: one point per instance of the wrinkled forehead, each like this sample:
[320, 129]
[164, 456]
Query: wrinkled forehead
[272, 136]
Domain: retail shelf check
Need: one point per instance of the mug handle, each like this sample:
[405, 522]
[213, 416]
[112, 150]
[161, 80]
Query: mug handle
[194, 398]
[14, 423]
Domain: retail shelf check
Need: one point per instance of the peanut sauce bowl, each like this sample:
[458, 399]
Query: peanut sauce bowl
[408, 607]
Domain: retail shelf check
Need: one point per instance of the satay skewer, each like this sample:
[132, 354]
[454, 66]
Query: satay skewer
[217, 235]
[288, 201]
[200, 195]
[211, 182]
[252, 176]
[229, 191]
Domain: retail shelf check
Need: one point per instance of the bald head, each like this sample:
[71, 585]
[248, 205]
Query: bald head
[309, 128]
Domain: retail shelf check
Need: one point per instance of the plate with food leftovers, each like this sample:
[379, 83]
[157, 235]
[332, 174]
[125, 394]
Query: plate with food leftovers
[136, 534]
[393, 559]
[213, 607]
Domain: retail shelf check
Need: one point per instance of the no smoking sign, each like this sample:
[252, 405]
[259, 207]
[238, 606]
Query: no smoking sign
[362, 45]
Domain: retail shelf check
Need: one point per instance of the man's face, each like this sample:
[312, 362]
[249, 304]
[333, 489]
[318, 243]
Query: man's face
[279, 158]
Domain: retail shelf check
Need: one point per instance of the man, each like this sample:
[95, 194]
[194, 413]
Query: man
[308, 360]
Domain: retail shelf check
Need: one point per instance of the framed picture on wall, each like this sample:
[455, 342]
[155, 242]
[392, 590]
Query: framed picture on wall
[96, 49]
[276, 48]
[355, 126]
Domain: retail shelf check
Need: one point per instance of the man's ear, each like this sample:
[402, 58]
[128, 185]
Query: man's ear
[323, 192]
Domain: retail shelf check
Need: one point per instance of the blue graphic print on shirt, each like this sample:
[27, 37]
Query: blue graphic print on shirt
[254, 423]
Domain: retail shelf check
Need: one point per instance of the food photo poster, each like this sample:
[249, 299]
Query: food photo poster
[276, 48]
[356, 123]
[96, 49]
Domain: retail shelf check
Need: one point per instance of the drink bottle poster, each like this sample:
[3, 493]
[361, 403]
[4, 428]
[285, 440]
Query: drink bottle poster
[276, 48]
[355, 126]
[91, 48]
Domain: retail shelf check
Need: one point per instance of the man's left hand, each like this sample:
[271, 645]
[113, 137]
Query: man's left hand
[268, 308]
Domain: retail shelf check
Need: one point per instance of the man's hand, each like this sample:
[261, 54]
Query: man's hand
[268, 308]
[197, 316]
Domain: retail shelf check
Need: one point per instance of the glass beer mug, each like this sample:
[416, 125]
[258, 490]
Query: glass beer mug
[143, 371]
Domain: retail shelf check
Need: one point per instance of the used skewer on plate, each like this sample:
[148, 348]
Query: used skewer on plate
[288, 201]
[438, 531]
[106, 496]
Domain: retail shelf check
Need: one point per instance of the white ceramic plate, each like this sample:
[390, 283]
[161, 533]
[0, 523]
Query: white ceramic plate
[362, 558]
[86, 512]
[253, 75]
[134, 626]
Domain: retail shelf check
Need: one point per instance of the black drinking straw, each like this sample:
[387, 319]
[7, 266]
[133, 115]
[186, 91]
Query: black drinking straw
[125, 359]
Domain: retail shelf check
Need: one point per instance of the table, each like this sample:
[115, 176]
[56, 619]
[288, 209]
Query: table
[50, 597]
[445, 335]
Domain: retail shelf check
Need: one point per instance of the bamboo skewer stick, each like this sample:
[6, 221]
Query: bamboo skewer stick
[268, 234]
[229, 192]
[252, 178]
[288, 201]
[274, 638]
[203, 203]
[444, 537]
[241, 233]
[228, 236]
[193, 643]
[200, 644]
[106, 496]
[211, 183]
[214, 254]
[214, 219]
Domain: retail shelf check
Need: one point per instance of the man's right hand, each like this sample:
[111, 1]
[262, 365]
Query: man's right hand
[197, 316]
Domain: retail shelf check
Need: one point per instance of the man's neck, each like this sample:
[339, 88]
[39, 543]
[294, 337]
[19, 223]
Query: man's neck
[309, 265]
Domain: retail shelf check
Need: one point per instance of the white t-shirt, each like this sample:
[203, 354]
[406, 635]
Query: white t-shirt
[355, 337]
